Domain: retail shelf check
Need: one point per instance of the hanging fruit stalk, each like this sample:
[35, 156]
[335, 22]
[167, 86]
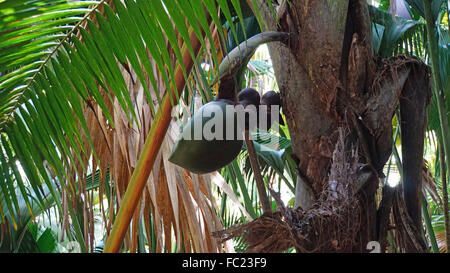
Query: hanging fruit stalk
[209, 154]
[257, 173]
[213, 154]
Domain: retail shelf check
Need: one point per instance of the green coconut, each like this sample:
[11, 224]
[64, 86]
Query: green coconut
[207, 154]
[210, 140]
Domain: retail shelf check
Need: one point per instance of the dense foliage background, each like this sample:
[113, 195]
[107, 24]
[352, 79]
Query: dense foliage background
[81, 84]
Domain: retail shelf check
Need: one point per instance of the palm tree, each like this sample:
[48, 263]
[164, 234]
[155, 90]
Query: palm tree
[89, 89]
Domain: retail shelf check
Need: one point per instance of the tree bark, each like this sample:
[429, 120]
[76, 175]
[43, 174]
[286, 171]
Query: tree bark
[332, 84]
[312, 76]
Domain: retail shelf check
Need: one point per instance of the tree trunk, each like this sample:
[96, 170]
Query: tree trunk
[339, 101]
[317, 96]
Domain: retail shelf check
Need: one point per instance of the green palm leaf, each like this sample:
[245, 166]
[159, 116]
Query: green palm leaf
[390, 32]
[436, 6]
[59, 59]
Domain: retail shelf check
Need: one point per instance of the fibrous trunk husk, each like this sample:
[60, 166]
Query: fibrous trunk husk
[331, 225]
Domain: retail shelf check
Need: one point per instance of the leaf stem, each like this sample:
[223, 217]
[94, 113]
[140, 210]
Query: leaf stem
[257, 173]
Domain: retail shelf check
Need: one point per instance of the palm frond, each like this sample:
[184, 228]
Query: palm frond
[80, 85]
[388, 32]
[436, 6]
